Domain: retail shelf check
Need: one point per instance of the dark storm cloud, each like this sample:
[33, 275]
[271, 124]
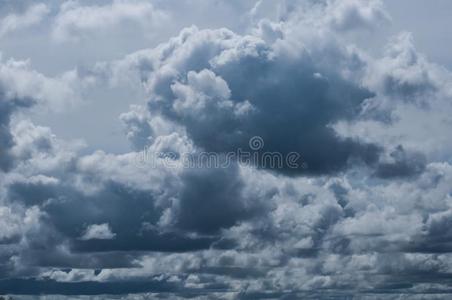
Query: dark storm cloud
[147, 241]
[225, 97]
[32, 192]
[403, 165]
[436, 235]
[34, 287]
[123, 208]
[212, 199]
[54, 258]
[132, 216]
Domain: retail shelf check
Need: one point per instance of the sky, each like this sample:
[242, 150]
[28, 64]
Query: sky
[213, 149]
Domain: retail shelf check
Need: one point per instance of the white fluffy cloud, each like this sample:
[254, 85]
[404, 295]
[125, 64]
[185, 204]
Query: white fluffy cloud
[98, 231]
[20, 81]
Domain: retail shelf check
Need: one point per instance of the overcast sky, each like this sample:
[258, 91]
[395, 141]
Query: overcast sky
[101, 102]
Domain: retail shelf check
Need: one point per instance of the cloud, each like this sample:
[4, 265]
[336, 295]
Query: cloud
[221, 87]
[15, 224]
[210, 200]
[352, 14]
[411, 104]
[20, 81]
[403, 73]
[368, 217]
[6, 108]
[98, 231]
[22, 88]
[138, 129]
[75, 20]
[32, 16]
[403, 164]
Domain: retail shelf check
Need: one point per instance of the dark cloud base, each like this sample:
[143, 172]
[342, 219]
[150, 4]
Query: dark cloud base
[164, 290]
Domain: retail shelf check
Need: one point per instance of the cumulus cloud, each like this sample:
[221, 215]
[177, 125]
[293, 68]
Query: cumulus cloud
[21, 87]
[222, 87]
[138, 129]
[368, 215]
[403, 72]
[21, 81]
